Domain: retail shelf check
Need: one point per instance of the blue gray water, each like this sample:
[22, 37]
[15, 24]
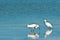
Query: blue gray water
[16, 14]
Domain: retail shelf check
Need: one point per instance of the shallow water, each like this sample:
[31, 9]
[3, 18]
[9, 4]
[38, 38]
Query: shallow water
[16, 14]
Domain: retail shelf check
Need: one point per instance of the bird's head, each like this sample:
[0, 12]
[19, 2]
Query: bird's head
[45, 20]
[37, 26]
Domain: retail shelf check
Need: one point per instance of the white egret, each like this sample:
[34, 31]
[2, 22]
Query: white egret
[33, 26]
[49, 25]
[33, 36]
[47, 33]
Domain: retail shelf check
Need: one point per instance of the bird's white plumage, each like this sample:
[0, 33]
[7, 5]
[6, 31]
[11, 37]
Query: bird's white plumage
[32, 26]
[48, 24]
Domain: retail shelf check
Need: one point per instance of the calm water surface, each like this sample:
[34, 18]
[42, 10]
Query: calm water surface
[16, 14]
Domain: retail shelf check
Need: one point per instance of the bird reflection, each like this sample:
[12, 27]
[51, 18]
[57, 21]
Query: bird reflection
[33, 35]
[47, 33]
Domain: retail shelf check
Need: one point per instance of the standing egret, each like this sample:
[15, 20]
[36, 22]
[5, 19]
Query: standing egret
[33, 26]
[49, 25]
[47, 33]
[33, 35]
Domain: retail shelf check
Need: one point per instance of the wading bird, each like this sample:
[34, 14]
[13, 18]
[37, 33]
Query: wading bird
[33, 26]
[49, 25]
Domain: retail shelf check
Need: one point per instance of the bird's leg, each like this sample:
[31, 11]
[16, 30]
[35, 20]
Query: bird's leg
[49, 28]
[32, 30]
